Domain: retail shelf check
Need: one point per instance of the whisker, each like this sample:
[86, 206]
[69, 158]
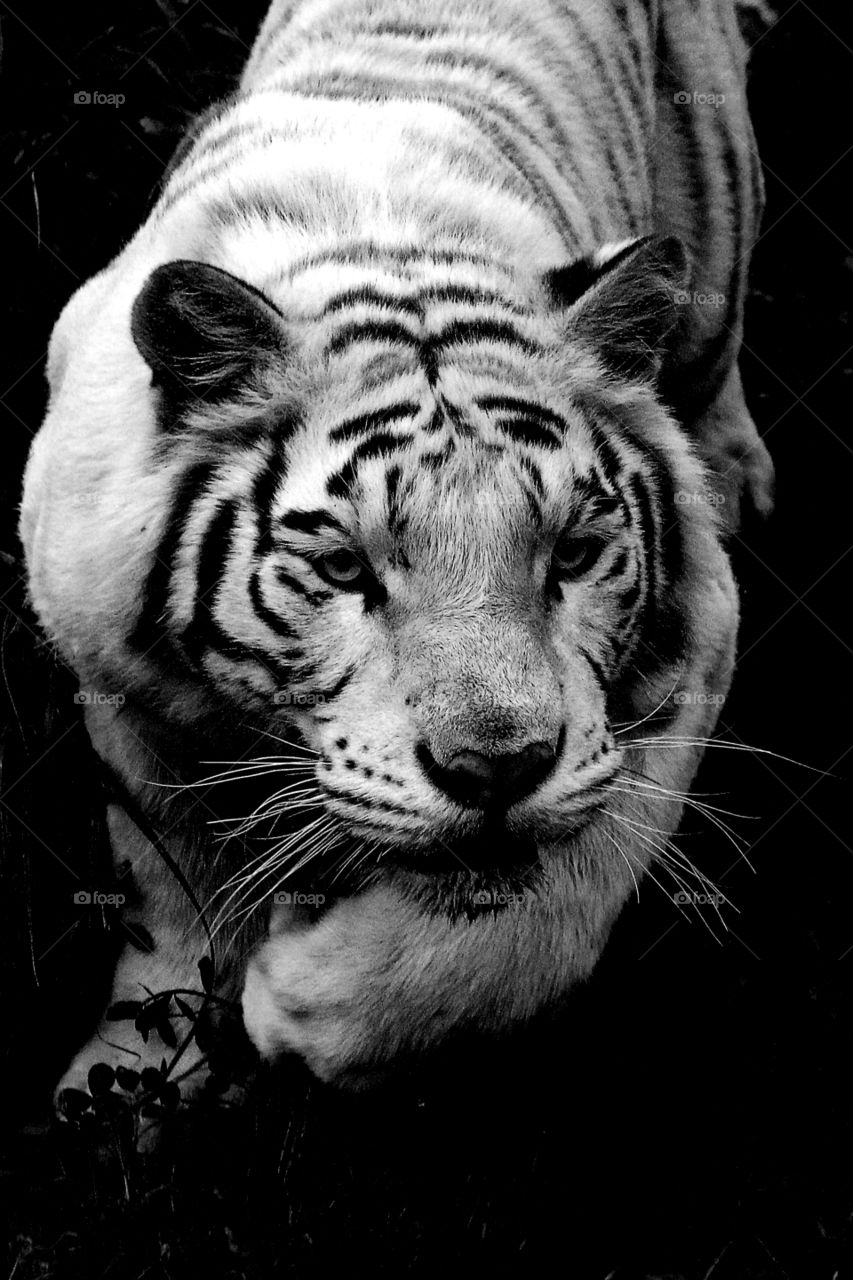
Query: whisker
[673, 743]
[628, 727]
[621, 853]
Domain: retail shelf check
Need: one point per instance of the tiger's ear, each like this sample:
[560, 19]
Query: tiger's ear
[202, 331]
[625, 306]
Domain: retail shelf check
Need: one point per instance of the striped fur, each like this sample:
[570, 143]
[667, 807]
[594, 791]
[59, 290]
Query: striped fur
[392, 429]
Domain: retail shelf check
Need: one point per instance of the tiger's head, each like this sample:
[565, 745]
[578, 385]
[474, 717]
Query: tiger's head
[433, 523]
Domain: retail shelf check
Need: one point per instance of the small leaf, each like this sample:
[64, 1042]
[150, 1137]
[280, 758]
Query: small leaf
[166, 1032]
[205, 969]
[152, 1080]
[159, 1004]
[101, 1078]
[123, 1009]
[127, 1079]
[185, 1008]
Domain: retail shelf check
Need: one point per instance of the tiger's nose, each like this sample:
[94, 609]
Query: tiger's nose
[490, 781]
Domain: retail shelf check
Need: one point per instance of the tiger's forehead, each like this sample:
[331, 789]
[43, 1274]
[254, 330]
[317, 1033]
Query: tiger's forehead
[485, 431]
[462, 423]
[368, 314]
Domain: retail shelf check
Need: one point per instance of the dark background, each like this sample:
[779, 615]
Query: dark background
[691, 1117]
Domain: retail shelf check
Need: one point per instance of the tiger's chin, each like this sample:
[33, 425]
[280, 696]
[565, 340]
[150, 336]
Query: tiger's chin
[490, 872]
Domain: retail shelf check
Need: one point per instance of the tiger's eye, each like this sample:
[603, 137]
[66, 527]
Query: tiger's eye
[341, 567]
[573, 557]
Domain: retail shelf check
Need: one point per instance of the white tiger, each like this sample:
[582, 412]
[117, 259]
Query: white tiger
[407, 435]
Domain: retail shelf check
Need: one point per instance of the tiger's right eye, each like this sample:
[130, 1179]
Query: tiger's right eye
[342, 569]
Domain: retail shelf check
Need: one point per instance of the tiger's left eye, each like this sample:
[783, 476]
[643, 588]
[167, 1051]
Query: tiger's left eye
[342, 569]
[573, 557]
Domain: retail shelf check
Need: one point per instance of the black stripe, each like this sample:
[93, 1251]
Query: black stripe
[628, 598]
[483, 329]
[415, 305]
[267, 483]
[371, 331]
[608, 84]
[366, 422]
[434, 459]
[363, 802]
[466, 295]
[392, 495]
[338, 687]
[533, 505]
[150, 624]
[288, 581]
[339, 484]
[533, 97]
[212, 561]
[535, 474]
[518, 405]
[365, 295]
[671, 517]
[530, 432]
[648, 533]
[435, 422]
[191, 137]
[273, 620]
[218, 640]
[361, 251]
[656, 464]
[608, 455]
[618, 567]
[310, 521]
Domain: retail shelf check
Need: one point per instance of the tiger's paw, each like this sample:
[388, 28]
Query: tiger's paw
[294, 1005]
[107, 1078]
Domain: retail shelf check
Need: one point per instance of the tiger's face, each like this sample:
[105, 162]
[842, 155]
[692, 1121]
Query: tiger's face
[447, 554]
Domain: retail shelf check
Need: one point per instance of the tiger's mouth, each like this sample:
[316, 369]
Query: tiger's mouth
[494, 850]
